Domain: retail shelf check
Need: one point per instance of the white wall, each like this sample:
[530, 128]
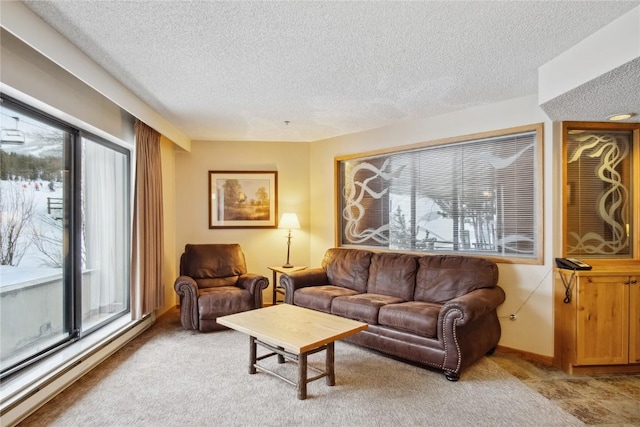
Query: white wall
[27, 71]
[614, 45]
[528, 287]
[262, 247]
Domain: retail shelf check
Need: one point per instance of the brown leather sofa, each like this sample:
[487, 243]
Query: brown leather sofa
[214, 282]
[436, 310]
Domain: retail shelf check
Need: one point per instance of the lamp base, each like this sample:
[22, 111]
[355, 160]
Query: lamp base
[287, 266]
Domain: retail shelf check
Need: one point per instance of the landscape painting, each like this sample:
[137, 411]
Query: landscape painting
[243, 199]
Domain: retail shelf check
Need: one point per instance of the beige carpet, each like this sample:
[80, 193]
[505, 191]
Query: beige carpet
[172, 377]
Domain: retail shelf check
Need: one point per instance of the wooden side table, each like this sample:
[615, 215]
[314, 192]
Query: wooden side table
[282, 270]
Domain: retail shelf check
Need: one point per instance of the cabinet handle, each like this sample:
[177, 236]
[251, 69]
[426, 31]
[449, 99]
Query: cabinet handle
[634, 281]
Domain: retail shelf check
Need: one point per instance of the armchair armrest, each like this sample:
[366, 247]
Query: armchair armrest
[255, 284]
[473, 305]
[187, 288]
[301, 279]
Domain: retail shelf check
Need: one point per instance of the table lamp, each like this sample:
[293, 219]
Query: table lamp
[289, 221]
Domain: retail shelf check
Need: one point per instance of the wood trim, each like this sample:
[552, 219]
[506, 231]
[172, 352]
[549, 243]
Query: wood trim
[604, 369]
[634, 313]
[337, 215]
[535, 127]
[564, 342]
[539, 196]
[525, 355]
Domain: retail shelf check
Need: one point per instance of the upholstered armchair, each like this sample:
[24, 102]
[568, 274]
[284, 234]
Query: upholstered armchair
[214, 282]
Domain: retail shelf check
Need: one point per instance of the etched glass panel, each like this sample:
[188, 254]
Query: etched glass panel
[598, 193]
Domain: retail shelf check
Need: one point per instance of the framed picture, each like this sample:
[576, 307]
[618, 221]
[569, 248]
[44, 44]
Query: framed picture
[243, 199]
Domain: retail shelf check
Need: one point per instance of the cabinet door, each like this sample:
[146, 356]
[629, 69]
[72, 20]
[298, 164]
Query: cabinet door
[634, 320]
[602, 327]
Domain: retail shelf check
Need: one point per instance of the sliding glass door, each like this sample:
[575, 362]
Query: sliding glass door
[64, 234]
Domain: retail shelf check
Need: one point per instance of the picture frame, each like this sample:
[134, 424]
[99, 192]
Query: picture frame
[243, 199]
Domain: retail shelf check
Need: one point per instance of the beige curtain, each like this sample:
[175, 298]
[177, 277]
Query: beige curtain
[147, 293]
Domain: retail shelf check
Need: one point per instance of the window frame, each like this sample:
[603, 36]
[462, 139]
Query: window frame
[537, 258]
[634, 128]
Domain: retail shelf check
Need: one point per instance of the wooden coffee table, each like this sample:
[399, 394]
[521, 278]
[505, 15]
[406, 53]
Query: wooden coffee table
[292, 333]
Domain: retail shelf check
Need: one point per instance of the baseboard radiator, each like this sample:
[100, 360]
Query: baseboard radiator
[23, 404]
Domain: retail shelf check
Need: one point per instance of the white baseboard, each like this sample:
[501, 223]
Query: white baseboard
[23, 403]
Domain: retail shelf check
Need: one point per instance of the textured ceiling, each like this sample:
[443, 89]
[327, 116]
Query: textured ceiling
[239, 70]
[615, 92]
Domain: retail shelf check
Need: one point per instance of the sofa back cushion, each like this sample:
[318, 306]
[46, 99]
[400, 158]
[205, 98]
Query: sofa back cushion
[213, 265]
[348, 268]
[393, 274]
[444, 277]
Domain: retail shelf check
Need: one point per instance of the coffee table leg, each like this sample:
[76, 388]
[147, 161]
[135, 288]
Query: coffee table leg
[280, 357]
[275, 293]
[302, 376]
[252, 355]
[330, 363]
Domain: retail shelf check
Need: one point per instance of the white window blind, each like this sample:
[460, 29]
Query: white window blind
[478, 195]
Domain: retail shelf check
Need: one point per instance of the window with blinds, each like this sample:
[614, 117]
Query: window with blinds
[599, 193]
[478, 194]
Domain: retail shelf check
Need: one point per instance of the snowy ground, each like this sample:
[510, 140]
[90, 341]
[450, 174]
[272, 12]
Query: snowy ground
[38, 192]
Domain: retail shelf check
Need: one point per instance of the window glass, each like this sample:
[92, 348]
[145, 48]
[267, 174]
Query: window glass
[476, 196]
[33, 223]
[105, 271]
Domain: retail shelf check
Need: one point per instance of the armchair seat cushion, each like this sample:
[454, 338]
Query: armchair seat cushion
[224, 300]
[320, 297]
[416, 317]
[362, 307]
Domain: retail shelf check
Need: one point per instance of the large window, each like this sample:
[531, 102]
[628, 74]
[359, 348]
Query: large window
[600, 190]
[64, 234]
[479, 194]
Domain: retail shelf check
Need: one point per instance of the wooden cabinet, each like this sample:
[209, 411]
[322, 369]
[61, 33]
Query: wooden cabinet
[634, 319]
[597, 320]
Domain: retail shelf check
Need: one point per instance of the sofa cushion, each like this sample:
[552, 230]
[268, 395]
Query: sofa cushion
[348, 268]
[416, 317]
[393, 274]
[362, 307]
[319, 297]
[444, 277]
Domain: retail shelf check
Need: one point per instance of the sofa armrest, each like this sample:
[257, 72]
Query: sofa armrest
[473, 305]
[255, 284]
[187, 288]
[301, 279]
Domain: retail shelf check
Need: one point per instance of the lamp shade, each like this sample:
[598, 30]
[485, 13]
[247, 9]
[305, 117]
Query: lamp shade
[289, 220]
